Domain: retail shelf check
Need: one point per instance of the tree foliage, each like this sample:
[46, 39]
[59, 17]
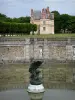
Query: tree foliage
[64, 19]
[4, 18]
[63, 22]
[21, 25]
[16, 28]
[57, 26]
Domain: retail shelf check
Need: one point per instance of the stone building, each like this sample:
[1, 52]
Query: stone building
[44, 20]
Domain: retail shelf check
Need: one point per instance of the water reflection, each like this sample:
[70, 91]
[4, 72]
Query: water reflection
[50, 94]
[56, 75]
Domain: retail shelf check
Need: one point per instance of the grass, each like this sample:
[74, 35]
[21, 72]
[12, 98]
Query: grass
[62, 35]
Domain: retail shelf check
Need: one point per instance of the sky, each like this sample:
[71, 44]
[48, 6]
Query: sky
[18, 8]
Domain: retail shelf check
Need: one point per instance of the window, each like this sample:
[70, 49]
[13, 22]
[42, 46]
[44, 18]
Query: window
[44, 28]
[44, 22]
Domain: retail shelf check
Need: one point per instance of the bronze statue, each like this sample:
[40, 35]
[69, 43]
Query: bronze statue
[34, 77]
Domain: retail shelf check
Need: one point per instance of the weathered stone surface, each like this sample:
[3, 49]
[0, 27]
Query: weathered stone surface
[38, 48]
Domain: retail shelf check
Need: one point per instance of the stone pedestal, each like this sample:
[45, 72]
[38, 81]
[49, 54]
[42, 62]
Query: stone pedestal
[36, 92]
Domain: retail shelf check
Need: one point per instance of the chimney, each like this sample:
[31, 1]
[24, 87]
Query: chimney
[48, 12]
[43, 13]
[47, 9]
[32, 16]
[31, 12]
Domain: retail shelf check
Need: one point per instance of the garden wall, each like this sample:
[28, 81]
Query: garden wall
[58, 70]
[22, 50]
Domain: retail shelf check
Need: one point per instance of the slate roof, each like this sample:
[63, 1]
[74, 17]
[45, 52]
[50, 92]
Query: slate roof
[37, 14]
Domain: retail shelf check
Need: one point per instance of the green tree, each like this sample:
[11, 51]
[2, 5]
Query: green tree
[71, 24]
[16, 20]
[57, 24]
[8, 19]
[24, 20]
[56, 13]
[33, 28]
[64, 18]
[27, 19]
[2, 17]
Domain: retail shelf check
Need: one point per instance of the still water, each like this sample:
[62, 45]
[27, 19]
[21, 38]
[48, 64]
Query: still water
[50, 94]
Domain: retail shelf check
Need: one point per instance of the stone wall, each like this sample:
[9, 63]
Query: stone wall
[38, 48]
[58, 70]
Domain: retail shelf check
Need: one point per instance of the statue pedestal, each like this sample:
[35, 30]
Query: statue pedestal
[36, 92]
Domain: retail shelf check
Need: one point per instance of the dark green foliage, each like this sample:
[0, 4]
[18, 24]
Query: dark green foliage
[2, 15]
[34, 28]
[56, 13]
[63, 22]
[71, 24]
[16, 28]
[22, 25]
[64, 19]
[4, 18]
[57, 26]
[24, 20]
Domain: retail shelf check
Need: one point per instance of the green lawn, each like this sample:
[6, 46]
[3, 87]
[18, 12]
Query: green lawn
[70, 35]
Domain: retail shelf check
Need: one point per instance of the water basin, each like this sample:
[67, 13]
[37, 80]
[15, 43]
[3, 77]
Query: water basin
[50, 94]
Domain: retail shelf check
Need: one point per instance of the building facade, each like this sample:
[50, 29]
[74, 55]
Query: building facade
[44, 20]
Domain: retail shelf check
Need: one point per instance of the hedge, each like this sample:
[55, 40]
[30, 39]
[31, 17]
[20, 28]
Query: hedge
[17, 28]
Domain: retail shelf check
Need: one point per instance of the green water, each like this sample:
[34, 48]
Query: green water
[54, 74]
